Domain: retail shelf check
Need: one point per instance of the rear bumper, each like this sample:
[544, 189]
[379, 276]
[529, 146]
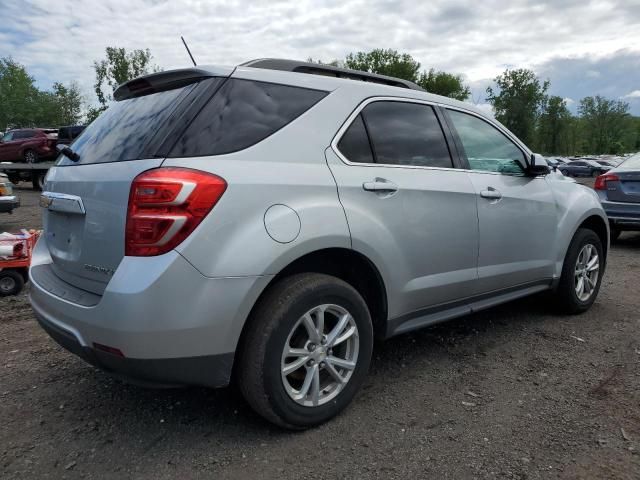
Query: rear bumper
[210, 370]
[622, 215]
[8, 203]
[172, 325]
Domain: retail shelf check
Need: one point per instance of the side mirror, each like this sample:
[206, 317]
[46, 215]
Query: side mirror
[537, 165]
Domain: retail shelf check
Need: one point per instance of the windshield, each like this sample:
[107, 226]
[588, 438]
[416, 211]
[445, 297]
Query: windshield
[632, 162]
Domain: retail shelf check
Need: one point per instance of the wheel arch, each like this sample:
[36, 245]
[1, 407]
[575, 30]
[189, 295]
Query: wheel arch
[344, 263]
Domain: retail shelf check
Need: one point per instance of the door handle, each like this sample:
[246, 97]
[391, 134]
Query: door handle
[380, 185]
[491, 193]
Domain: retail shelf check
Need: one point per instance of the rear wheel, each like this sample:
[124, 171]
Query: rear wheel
[11, 283]
[306, 351]
[581, 273]
[30, 156]
[594, 173]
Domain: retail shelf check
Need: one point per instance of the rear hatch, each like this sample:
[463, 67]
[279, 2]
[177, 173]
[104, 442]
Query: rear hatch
[626, 188]
[86, 201]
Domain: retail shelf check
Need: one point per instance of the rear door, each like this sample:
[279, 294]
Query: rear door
[408, 207]
[86, 201]
[516, 213]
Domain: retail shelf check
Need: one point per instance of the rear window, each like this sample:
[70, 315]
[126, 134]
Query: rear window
[632, 162]
[126, 128]
[243, 113]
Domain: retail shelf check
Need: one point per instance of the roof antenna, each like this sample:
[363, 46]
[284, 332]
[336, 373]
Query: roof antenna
[188, 51]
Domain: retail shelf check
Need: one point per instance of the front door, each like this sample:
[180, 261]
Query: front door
[516, 213]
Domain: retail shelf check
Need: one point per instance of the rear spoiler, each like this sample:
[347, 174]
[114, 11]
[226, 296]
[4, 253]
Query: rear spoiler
[167, 80]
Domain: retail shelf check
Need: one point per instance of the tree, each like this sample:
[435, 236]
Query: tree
[518, 101]
[384, 62]
[18, 95]
[120, 66]
[605, 123]
[402, 65]
[554, 127]
[70, 101]
[443, 83]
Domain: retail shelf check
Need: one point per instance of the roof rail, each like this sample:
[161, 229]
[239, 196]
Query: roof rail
[328, 71]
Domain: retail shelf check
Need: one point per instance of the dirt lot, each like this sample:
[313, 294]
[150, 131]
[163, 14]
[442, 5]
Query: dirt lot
[514, 392]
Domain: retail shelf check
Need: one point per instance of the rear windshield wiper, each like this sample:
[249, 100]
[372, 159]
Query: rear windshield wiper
[67, 152]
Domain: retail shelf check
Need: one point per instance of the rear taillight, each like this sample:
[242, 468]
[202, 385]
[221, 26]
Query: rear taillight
[601, 181]
[166, 205]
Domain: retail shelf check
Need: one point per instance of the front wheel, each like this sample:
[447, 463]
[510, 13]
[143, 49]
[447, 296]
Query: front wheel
[581, 273]
[306, 351]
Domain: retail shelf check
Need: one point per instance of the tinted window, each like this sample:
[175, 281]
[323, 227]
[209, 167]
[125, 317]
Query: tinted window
[354, 144]
[7, 137]
[405, 133]
[23, 134]
[241, 114]
[485, 146]
[578, 164]
[124, 130]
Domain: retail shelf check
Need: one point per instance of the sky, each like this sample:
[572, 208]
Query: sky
[583, 47]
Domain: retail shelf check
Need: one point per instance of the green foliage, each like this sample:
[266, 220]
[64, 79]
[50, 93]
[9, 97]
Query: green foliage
[402, 65]
[384, 62]
[554, 127]
[445, 84]
[519, 101]
[118, 67]
[605, 123]
[24, 105]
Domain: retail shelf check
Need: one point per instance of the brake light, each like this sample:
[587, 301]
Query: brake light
[601, 181]
[166, 205]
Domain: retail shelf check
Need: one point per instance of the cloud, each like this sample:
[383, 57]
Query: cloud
[634, 94]
[59, 41]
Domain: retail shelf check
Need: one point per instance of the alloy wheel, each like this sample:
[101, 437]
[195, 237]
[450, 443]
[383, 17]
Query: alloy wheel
[586, 272]
[320, 355]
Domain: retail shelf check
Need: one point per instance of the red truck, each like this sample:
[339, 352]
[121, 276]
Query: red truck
[29, 145]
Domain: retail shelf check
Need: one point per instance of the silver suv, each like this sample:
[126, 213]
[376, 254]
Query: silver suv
[266, 222]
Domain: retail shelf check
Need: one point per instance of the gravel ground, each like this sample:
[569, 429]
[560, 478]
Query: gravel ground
[513, 392]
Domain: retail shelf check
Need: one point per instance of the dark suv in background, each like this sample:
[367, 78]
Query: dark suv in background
[66, 135]
[28, 144]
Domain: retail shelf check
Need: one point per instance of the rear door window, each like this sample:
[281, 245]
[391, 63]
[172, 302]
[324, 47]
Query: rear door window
[241, 114]
[406, 133]
[354, 144]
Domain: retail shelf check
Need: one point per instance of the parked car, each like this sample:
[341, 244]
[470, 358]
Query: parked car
[605, 163]
[28, 144]
[619, 193]
[270, 220]
[8, 201]
[66, 135]
[555, 163]
[582, 168]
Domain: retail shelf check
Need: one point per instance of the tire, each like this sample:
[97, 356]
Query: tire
[11, 283]
[594, 173]
[15, 179]
[37, 180]
[276, 323]
[567, 297]
[30, 156]
[614, 234]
